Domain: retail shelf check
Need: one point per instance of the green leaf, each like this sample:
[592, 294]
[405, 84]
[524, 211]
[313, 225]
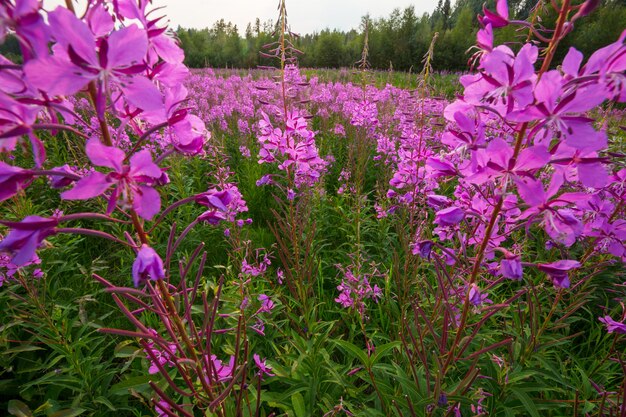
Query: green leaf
[70, 412]
[19, 409]
[298, 405]
[137, 382]
[381, 350]
[356, 351]
[527, 402]
[23, 348]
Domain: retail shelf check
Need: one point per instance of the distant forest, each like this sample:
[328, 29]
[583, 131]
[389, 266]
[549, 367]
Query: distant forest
[398, 41]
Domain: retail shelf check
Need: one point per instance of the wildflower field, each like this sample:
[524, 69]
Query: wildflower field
[302, 242]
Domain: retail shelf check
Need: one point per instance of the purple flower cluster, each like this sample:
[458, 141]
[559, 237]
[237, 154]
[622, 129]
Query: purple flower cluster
[293, 148]
[356, 287]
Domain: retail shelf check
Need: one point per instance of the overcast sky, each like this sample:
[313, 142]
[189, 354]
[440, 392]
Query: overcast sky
[305, 16]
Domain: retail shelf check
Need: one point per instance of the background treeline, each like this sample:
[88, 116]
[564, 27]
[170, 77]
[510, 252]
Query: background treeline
[398, 41]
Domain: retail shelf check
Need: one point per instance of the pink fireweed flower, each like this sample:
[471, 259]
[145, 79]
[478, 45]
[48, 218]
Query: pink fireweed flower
[163, 357]
[60, 181]
[583, 165]
[506, 80]
[162, 408]
[223, 204]
[559, 113]
[17, 120]
[498, 19]
[449, 216]
[355, 289]
[294, 149]
[26, 236]
[496, 161]
[611, 238]
[255, 270]
[147, 265]
[98, 53]
[222, 372]
[558, 271]
[8, 269]
[266, 304]
[477, 298]
[12, 180]
[264, 369]
[613, 326]
[24, 18]
[559, 223]
[511, 267]
[258, 327]
[132, 183]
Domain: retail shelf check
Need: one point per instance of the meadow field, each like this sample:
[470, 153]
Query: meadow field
[309, 242]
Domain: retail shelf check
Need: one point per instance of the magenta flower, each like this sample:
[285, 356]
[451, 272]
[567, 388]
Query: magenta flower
[559, 223]
[95, 52]
[484, 38]
[449, 216]
[266, 304]
[12, 180]
[498, 19]
[264, 369]
[559, 113]
[132, 183]
[16, 120]
[511, 267]
[582, 165]
[163, 357]
[223, 204]
[26, 236]
[558, 271]
[423, 248]
[611, 238]
[147, 265]
[477, 298]
[497, 161]
[60, 181]
[613, 326]
[23, 17]
[162, 408]
[506, 80]
[223, 372]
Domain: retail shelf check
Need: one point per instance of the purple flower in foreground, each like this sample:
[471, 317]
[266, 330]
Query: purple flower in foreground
[162, 408]
[223, 205]
[511, 267]
[223, 372]
[558, 271]
[26, 236]
[111, 58]
[148, 264]
[60, 181]
[264, 369]
[266, 304]
[132, 183]
[12, 180]
[423, 248]
[476, 297]
[498, 19]
[613, 326]
[449, 217]
[163, 357]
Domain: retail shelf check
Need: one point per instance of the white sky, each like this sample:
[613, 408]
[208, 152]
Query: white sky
[305, 16]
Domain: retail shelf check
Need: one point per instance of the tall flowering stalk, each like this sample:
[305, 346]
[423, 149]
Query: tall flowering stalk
[286, 139]
[520, 151]
[135, 119]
